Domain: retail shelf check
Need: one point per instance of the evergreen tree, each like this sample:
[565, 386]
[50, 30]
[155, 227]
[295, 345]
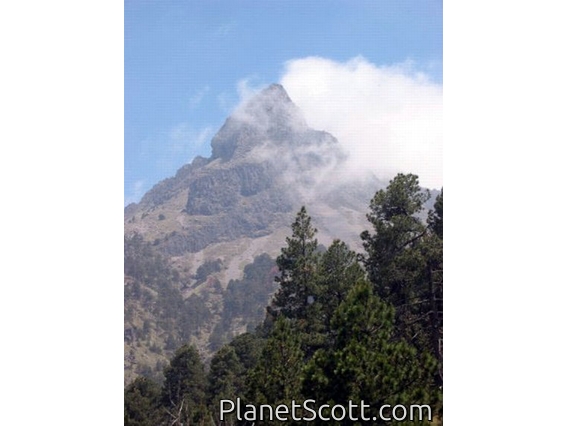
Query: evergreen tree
[225, 381]
[404, 262]
[142, 403]
[276, 378]
[396, 229]
[183, 392]
[435, 217]
[248, 347]
[395, 262]
[366, 362]
[298, 265]
[337, 273]
[230, 372]
[433, 251]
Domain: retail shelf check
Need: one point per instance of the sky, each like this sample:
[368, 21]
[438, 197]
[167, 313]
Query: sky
[369, 72]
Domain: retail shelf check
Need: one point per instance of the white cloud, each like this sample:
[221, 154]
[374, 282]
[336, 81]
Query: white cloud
[389, 118]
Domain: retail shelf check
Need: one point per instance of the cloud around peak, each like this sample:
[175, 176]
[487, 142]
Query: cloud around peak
[388, 118]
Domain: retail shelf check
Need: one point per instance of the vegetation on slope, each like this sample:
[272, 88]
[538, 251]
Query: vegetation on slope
[341, 327]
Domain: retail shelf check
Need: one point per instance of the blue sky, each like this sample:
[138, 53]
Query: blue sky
[187, 64]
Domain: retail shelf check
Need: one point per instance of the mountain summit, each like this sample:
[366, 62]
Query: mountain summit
[266, 161]
[268, 115]
[269, 118]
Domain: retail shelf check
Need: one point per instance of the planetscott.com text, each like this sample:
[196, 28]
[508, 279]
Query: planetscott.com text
[308, 410]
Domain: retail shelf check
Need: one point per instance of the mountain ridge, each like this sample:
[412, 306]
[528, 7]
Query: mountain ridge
[264, 158]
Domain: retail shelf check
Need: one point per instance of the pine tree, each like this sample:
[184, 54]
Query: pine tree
[298, 266]
[433, 251]
[230, 373]
[338, 272]
[276, 378]
[366, 362]
[395, 263]
[225, 381]
[248, 347]
[183, 392]
[404, 262]
[396, 230]
[435, 217]
[142, 403]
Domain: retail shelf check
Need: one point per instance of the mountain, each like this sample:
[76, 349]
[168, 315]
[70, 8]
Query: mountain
[265, 164]
[218, 215]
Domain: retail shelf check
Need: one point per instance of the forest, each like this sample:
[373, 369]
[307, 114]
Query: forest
[342, 327]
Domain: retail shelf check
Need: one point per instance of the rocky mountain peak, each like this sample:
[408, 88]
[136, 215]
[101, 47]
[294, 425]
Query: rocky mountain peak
[274, 93]
[270, 107]
[269, 116]
[266, 161]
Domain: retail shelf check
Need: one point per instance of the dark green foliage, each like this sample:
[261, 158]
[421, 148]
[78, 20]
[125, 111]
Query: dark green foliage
[404, 262]
[433, 252]
[231, 367]
[184, 376]
[276, 379]
[225, 380]
[396, 229]
[183, 392]
[337, 273]
[313, 282]
[298, 267]
[224, 370]
[181, 400]
[366, 361]
[142, 403]
[248, 348]
[435, 217]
